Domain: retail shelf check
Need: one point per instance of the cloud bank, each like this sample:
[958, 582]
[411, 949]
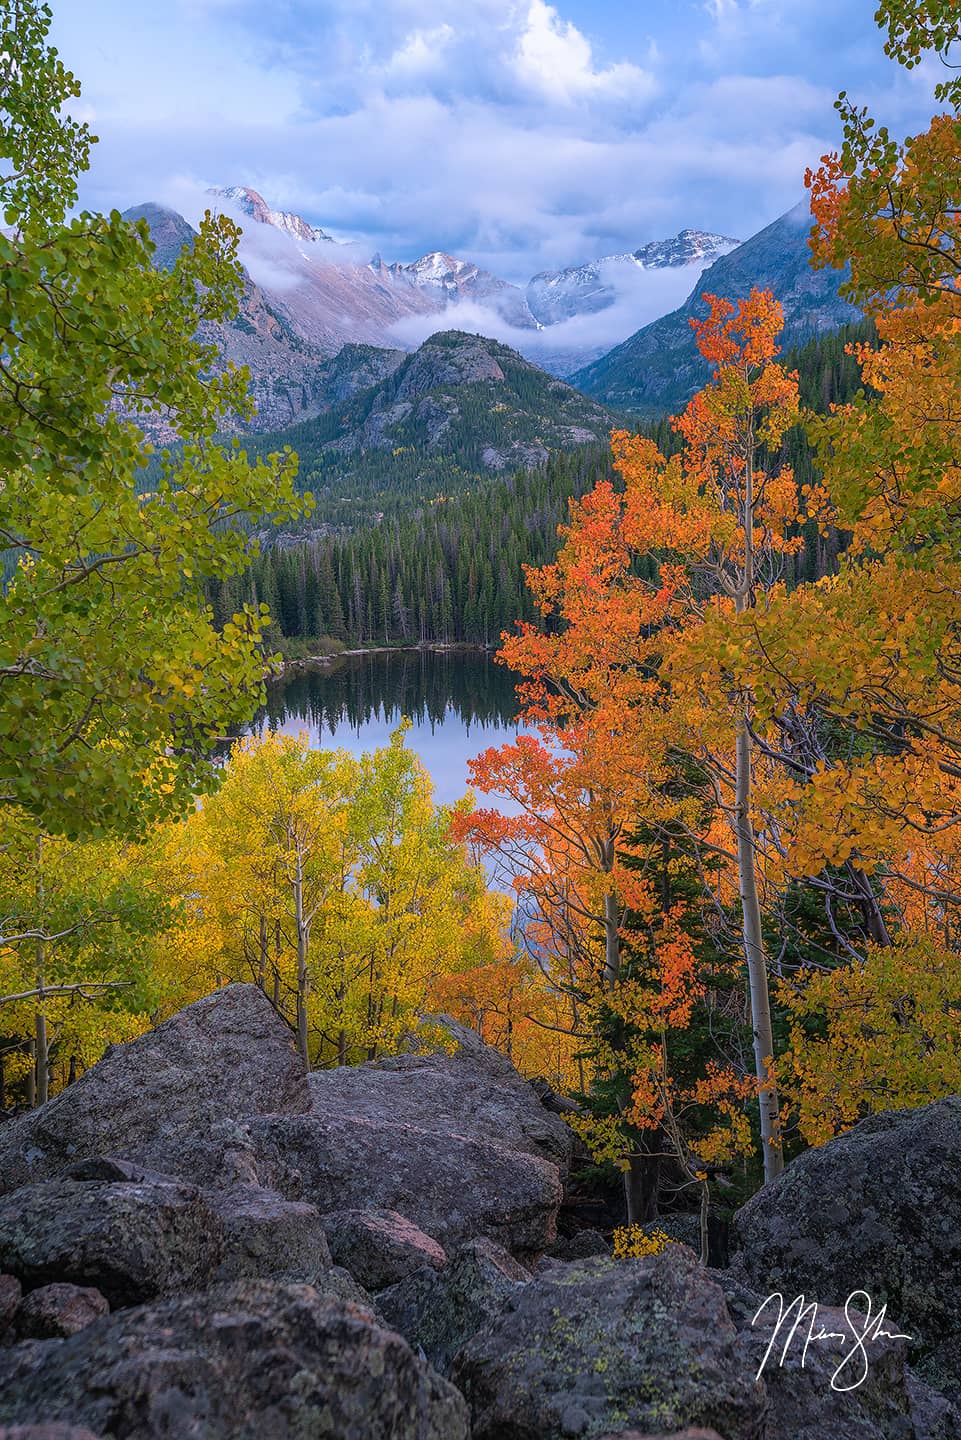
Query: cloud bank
[521, 134]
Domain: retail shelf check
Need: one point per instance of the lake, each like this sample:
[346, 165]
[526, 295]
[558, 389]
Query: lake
[459, 702]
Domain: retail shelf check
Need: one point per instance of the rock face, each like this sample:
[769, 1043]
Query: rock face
[380, 1247]
[131, 1241]
[806, 1389]
[877, 1209]
[602, 1344]
[242, 1362]
[659, 367]
[439, 1311]
[475, 1092]
[55, 1311]
[451, 1188]
[269, 1237]
[226, 1056]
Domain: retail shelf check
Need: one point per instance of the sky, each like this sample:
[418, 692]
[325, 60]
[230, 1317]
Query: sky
[516, 133]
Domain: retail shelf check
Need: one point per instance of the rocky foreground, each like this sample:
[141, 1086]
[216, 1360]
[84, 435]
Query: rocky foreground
[199, 1240]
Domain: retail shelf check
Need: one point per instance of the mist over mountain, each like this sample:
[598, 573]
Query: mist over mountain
[659, 368]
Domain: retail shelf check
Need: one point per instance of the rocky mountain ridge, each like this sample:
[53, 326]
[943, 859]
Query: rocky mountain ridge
[659, 367]
[557, 295]
[460, 406]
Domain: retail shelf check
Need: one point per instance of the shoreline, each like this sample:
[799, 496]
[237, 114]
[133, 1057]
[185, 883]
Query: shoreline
[326, 660]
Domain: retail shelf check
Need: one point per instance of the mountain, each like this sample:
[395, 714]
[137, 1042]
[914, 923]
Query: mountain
[557, 295]
[254, 205]
[659, 368]
[457, 408]
[288, 374]
[451, 282]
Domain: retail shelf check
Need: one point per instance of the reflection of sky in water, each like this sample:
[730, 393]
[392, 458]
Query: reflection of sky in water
[460, 704]
[444, 746]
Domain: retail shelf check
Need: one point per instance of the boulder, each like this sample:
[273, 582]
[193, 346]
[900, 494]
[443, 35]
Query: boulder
[380, 1247]
[55, 1311]
[677, 1435]
[885, 1400]
[244, 1361]
[46, 1432]
[878, 1209]
[580, 1246]
[226, 1056]
[475, 1092]
[267, 1236]
[11, 1293]
[439, 1311]
[612, 1344]
[451, 1188]
[132, 1241]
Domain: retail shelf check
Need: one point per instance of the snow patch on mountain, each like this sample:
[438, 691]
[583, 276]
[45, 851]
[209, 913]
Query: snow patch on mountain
[554, 296]
[253, 204]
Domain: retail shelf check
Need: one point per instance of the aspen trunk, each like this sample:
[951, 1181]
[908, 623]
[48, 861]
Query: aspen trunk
[42, 1058]
[302, 974]
[641, 1177]
[756, 960]
[754, 956]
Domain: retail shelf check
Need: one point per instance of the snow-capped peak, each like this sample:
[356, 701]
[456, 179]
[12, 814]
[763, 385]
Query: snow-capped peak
[556, 295]
[254, 205]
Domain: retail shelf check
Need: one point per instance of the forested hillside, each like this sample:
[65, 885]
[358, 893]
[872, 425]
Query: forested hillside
[449, 568]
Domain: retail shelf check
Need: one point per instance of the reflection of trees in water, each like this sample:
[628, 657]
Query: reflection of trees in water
[356, 690]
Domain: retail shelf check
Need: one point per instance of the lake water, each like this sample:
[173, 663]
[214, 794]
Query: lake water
[459, 703]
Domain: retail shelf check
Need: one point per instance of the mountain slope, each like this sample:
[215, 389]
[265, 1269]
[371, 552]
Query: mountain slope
[451, 282]
[659, 367]
[254, 205]
[458, 408]
[287, 373]
[557, 295]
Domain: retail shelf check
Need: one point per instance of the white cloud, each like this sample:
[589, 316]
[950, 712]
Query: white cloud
[557, 60]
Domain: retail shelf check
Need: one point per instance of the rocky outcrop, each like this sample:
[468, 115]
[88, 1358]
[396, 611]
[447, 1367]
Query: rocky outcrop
[46, 1432]
[132, 1241]
[832, 1387]
[601, 1344]
[226, 1056]
[877, 1209]
[438, 1311]
[474, 1092]
[452, 1188]
[266, 1236]
[240, 1362]
[55, 1311]
[380, 1247]
[11, 1293]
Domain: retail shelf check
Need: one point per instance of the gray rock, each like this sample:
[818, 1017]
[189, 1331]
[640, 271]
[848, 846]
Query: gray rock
[438, 1311]
[580, 1246]
[677, 1435]
[644, 1344]
[885, 1401]
[267, 1236]
[450, 1187]
[877, 1209]
[476, 1093]
[55, 1311]
[380, 1247]
[131, 1241]
[11, 1293]
[226, 1056]
[253, 1360]
[46, 1432]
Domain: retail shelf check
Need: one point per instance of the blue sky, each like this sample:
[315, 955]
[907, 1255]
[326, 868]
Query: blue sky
[521, 134]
